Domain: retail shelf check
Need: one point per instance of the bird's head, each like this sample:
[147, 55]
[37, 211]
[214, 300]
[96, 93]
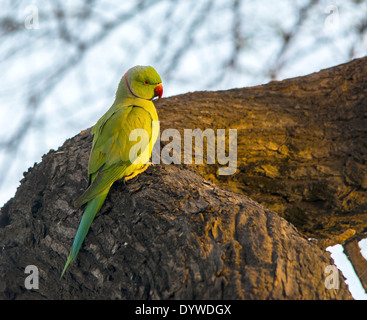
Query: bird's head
[143, 82]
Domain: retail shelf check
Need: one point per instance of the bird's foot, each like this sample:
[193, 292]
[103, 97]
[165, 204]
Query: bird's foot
[137, 172]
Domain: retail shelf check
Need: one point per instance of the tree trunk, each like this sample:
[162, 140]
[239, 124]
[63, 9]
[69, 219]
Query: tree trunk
[171, 234]
[302, 144]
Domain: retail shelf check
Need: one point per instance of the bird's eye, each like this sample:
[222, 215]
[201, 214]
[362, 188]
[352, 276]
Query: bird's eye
[146, 82]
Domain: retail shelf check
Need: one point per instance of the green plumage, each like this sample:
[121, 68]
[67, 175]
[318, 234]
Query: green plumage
[110, 155]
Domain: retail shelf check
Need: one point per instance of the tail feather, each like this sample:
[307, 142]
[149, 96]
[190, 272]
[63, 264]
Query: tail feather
[91, 209]
[101, 181]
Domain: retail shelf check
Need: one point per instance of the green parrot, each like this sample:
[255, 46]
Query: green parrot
[111, 158]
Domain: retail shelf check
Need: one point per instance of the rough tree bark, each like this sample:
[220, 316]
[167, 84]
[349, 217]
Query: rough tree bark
[171, 234]
[302, 144]
[168, 234]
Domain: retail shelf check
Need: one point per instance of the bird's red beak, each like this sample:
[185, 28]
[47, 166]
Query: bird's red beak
[158, 91]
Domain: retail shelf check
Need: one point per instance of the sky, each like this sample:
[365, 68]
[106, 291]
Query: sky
[343, 264]
[86, 91]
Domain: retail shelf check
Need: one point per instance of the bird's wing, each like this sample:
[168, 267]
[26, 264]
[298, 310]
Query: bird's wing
[109, 157]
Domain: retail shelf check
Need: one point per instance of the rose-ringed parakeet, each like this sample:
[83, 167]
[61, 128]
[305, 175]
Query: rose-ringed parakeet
[110, 158]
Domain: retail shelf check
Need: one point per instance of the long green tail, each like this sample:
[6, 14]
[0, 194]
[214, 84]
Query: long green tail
[91, 209]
